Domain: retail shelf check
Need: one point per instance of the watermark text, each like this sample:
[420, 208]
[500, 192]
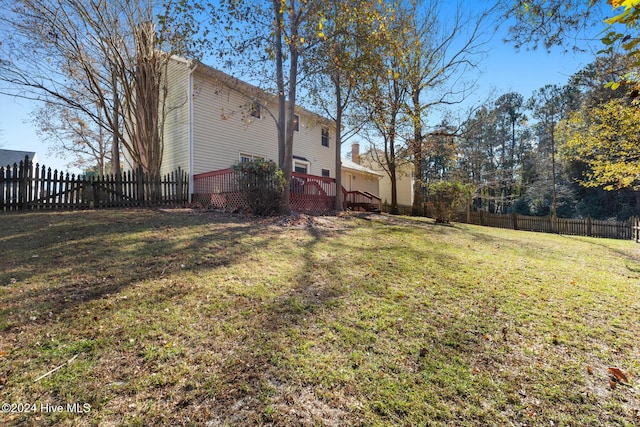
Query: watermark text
[45, 408]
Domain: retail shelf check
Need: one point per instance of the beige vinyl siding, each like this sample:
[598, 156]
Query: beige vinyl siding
[404, 188]
[224, 128]
[307, 143]
[353, 180]
[404, 182]
[176, 129]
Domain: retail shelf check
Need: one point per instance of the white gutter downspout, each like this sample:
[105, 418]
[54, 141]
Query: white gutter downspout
[192, 66]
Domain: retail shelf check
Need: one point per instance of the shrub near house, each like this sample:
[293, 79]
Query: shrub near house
[261, 181]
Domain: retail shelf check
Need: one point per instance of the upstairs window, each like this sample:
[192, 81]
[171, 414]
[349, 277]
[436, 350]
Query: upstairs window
[325, 137]
[296, 122]
[326, 172]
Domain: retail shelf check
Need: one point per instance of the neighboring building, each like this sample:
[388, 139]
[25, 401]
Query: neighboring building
[357, 177]
[11, 157]
[215, 121]
[8, 158]
[404, 181]
[404, 188]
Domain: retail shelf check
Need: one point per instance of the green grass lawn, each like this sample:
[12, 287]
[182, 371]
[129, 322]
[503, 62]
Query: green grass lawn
[182, 317]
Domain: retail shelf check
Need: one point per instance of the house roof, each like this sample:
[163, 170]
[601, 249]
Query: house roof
[9, 157]
[348, 164]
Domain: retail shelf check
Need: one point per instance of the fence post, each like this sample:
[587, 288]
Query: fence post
[22, 184]
[2, 188]
[589, 226]
[186, 179]
[28, 174]
[514, 218]
[180, 186]
[140, 184]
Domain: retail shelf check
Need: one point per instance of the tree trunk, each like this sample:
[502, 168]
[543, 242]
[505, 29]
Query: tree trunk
[282, 146]
[554, 198]
[338, 205]
[115, 131]
[416, 206]
[394, 189]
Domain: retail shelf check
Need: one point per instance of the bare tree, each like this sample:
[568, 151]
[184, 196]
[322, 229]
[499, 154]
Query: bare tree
[383, 95]
[74, 137]
[264, 42]
[421, 66]
[100, 58]
[440, 52]
[549, 105]
[342, 55]
[553, 23]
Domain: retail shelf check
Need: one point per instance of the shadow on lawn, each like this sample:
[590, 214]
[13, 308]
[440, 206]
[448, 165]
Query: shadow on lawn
[263, 380]
[256, 381]
[102, 255]
[602, 244]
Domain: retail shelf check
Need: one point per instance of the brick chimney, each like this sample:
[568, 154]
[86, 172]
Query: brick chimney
[355, 153]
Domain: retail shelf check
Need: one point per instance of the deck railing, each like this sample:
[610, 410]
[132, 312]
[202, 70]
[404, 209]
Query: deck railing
[357, 200]
[311, 193]
[221, 190]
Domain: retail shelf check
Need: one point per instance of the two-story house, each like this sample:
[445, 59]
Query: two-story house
[215, 121]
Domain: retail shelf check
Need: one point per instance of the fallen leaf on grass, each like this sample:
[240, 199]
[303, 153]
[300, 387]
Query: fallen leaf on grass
[589, 370]
[618, 375]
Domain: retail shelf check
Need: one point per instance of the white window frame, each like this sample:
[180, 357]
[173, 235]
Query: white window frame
[249, 157]
[324, 131]
[307, 165]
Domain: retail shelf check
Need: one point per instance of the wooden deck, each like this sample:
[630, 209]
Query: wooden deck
[308, 193]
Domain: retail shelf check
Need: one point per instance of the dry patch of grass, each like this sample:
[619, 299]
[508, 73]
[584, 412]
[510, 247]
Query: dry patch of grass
[194, 318]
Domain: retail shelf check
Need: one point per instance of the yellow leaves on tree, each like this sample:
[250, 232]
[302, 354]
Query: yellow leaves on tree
[607, 139]
[628, 16]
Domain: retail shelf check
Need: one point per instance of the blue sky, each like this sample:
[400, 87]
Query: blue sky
[503, 70]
